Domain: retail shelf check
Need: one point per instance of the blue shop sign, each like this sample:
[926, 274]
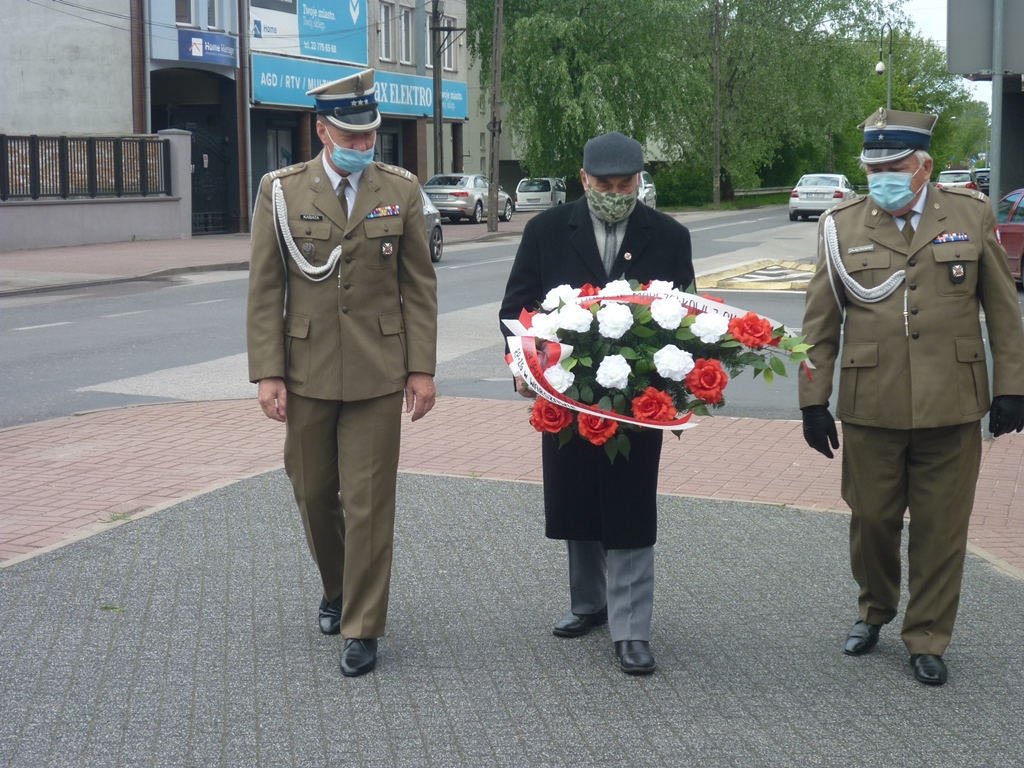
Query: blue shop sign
[284, 82]
[207, 47]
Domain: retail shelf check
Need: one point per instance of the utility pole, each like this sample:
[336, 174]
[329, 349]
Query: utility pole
[716, 116]
[495, 125]
[435, 49]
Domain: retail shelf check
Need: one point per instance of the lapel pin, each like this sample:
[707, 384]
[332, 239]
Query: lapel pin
[627, 256]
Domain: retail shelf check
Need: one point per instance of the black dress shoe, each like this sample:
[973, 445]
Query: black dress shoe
[330, 616]
[579, 624]
[635, 656]
[358, 657]
[862, 638]
[928, 668]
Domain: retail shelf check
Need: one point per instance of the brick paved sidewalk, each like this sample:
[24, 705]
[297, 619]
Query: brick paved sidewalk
[69, 477]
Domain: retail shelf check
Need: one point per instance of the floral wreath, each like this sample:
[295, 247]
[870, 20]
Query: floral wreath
[630, 356]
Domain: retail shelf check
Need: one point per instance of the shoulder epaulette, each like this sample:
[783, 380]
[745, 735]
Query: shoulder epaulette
[849, 203]
[287, 170]
[976, 194]
[396, 170]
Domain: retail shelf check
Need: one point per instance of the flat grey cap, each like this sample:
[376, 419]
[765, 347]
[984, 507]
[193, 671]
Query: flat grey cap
[613, 154]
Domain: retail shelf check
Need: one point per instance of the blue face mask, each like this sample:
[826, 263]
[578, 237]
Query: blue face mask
[891, 190]
[351, 160]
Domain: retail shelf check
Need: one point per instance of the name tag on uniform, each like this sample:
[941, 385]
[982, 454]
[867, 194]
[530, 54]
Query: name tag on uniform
[385, 210]
[861, 249]
[951, 237]
[311, 217]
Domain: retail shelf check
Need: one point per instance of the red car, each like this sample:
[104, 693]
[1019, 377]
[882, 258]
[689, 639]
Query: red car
[1010, 229]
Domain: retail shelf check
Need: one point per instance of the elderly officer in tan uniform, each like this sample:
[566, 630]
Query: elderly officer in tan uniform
[342, 323]
[900, 280]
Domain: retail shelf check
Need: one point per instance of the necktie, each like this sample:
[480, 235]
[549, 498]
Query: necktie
[609, 247]
[908, 227]
[341, 195]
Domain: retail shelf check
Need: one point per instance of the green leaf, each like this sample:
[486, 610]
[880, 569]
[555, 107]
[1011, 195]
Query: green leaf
[629, 353]
[611, 450]
[565, 436]
[778, 366]
[587, 393]
[643, 332]
[623, 444]
[605, 403]
[586, 362]
[768, 375]
[619, 403]
[570, 363]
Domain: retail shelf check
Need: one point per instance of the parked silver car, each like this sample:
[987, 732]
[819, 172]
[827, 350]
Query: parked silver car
[815, 193]
[647, 193]
[434, 234]
[465, 195]
[539, 193]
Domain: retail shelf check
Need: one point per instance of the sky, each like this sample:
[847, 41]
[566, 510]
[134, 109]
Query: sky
[930, 18]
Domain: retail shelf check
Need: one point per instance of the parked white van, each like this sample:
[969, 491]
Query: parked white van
[540, 193]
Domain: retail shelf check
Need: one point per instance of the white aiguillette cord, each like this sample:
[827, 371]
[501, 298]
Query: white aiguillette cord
[315, 274]
[868, 295]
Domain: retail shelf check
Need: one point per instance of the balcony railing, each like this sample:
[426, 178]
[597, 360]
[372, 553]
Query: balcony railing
[82, 167]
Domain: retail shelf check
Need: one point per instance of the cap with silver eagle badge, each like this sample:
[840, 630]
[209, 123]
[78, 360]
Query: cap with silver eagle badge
[349, 103]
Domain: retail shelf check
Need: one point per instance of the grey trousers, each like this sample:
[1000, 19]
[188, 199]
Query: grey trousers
[622, 579]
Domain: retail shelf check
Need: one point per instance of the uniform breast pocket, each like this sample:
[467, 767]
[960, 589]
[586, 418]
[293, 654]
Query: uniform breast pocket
[869, 269]
[958, 268]
[312, 238]
[383, 236]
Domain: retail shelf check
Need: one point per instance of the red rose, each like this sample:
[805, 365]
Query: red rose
[654, 405]
[712, 298]
[548, 417]
[707, 380]
[752, 330]
[588, 290]
[595, 429]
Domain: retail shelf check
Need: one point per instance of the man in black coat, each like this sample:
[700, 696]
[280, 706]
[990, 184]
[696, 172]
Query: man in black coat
[606, 512]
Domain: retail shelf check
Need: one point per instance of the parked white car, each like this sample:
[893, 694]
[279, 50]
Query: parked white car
[647, 194]
[539, 193]
[815, 193]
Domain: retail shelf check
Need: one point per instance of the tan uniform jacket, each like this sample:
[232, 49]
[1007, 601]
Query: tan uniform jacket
[926, 368]
[358, 333]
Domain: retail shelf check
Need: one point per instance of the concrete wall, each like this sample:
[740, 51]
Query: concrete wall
[29, 224]
[65, 71]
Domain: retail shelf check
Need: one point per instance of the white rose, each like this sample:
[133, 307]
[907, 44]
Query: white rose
[710, 328]
[667, 313]
[662, 286]
[673, 363]
[573, 317]
[560, 295]
[544, 326]
[613, 320]
[559, 378]
[613, 372]
[616, 288]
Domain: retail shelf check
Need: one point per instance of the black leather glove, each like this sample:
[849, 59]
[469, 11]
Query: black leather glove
[820, 429]
[1006, 414]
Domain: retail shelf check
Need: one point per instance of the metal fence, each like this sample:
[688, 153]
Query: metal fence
[69, 167]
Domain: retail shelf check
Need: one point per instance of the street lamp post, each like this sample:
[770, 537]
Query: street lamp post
[880, 67]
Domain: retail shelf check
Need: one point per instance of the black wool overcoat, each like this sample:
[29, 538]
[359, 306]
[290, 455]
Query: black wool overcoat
[585, 496]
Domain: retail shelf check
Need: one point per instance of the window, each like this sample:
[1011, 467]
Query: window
[386, 23]
[184, 12]
[405, 41]
[448, 42]
[213, 14]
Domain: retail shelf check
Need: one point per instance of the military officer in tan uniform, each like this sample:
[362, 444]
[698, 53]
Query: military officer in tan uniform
[894, 305]
[342, 325]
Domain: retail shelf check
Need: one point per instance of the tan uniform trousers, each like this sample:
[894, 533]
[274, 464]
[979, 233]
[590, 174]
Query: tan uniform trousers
[351, 447]
[933, 472]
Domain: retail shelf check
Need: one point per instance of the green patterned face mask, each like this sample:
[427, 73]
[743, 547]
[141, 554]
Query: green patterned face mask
[611, 207]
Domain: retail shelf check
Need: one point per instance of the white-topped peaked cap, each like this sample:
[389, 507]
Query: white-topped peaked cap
[891, 135]
[349, 103]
